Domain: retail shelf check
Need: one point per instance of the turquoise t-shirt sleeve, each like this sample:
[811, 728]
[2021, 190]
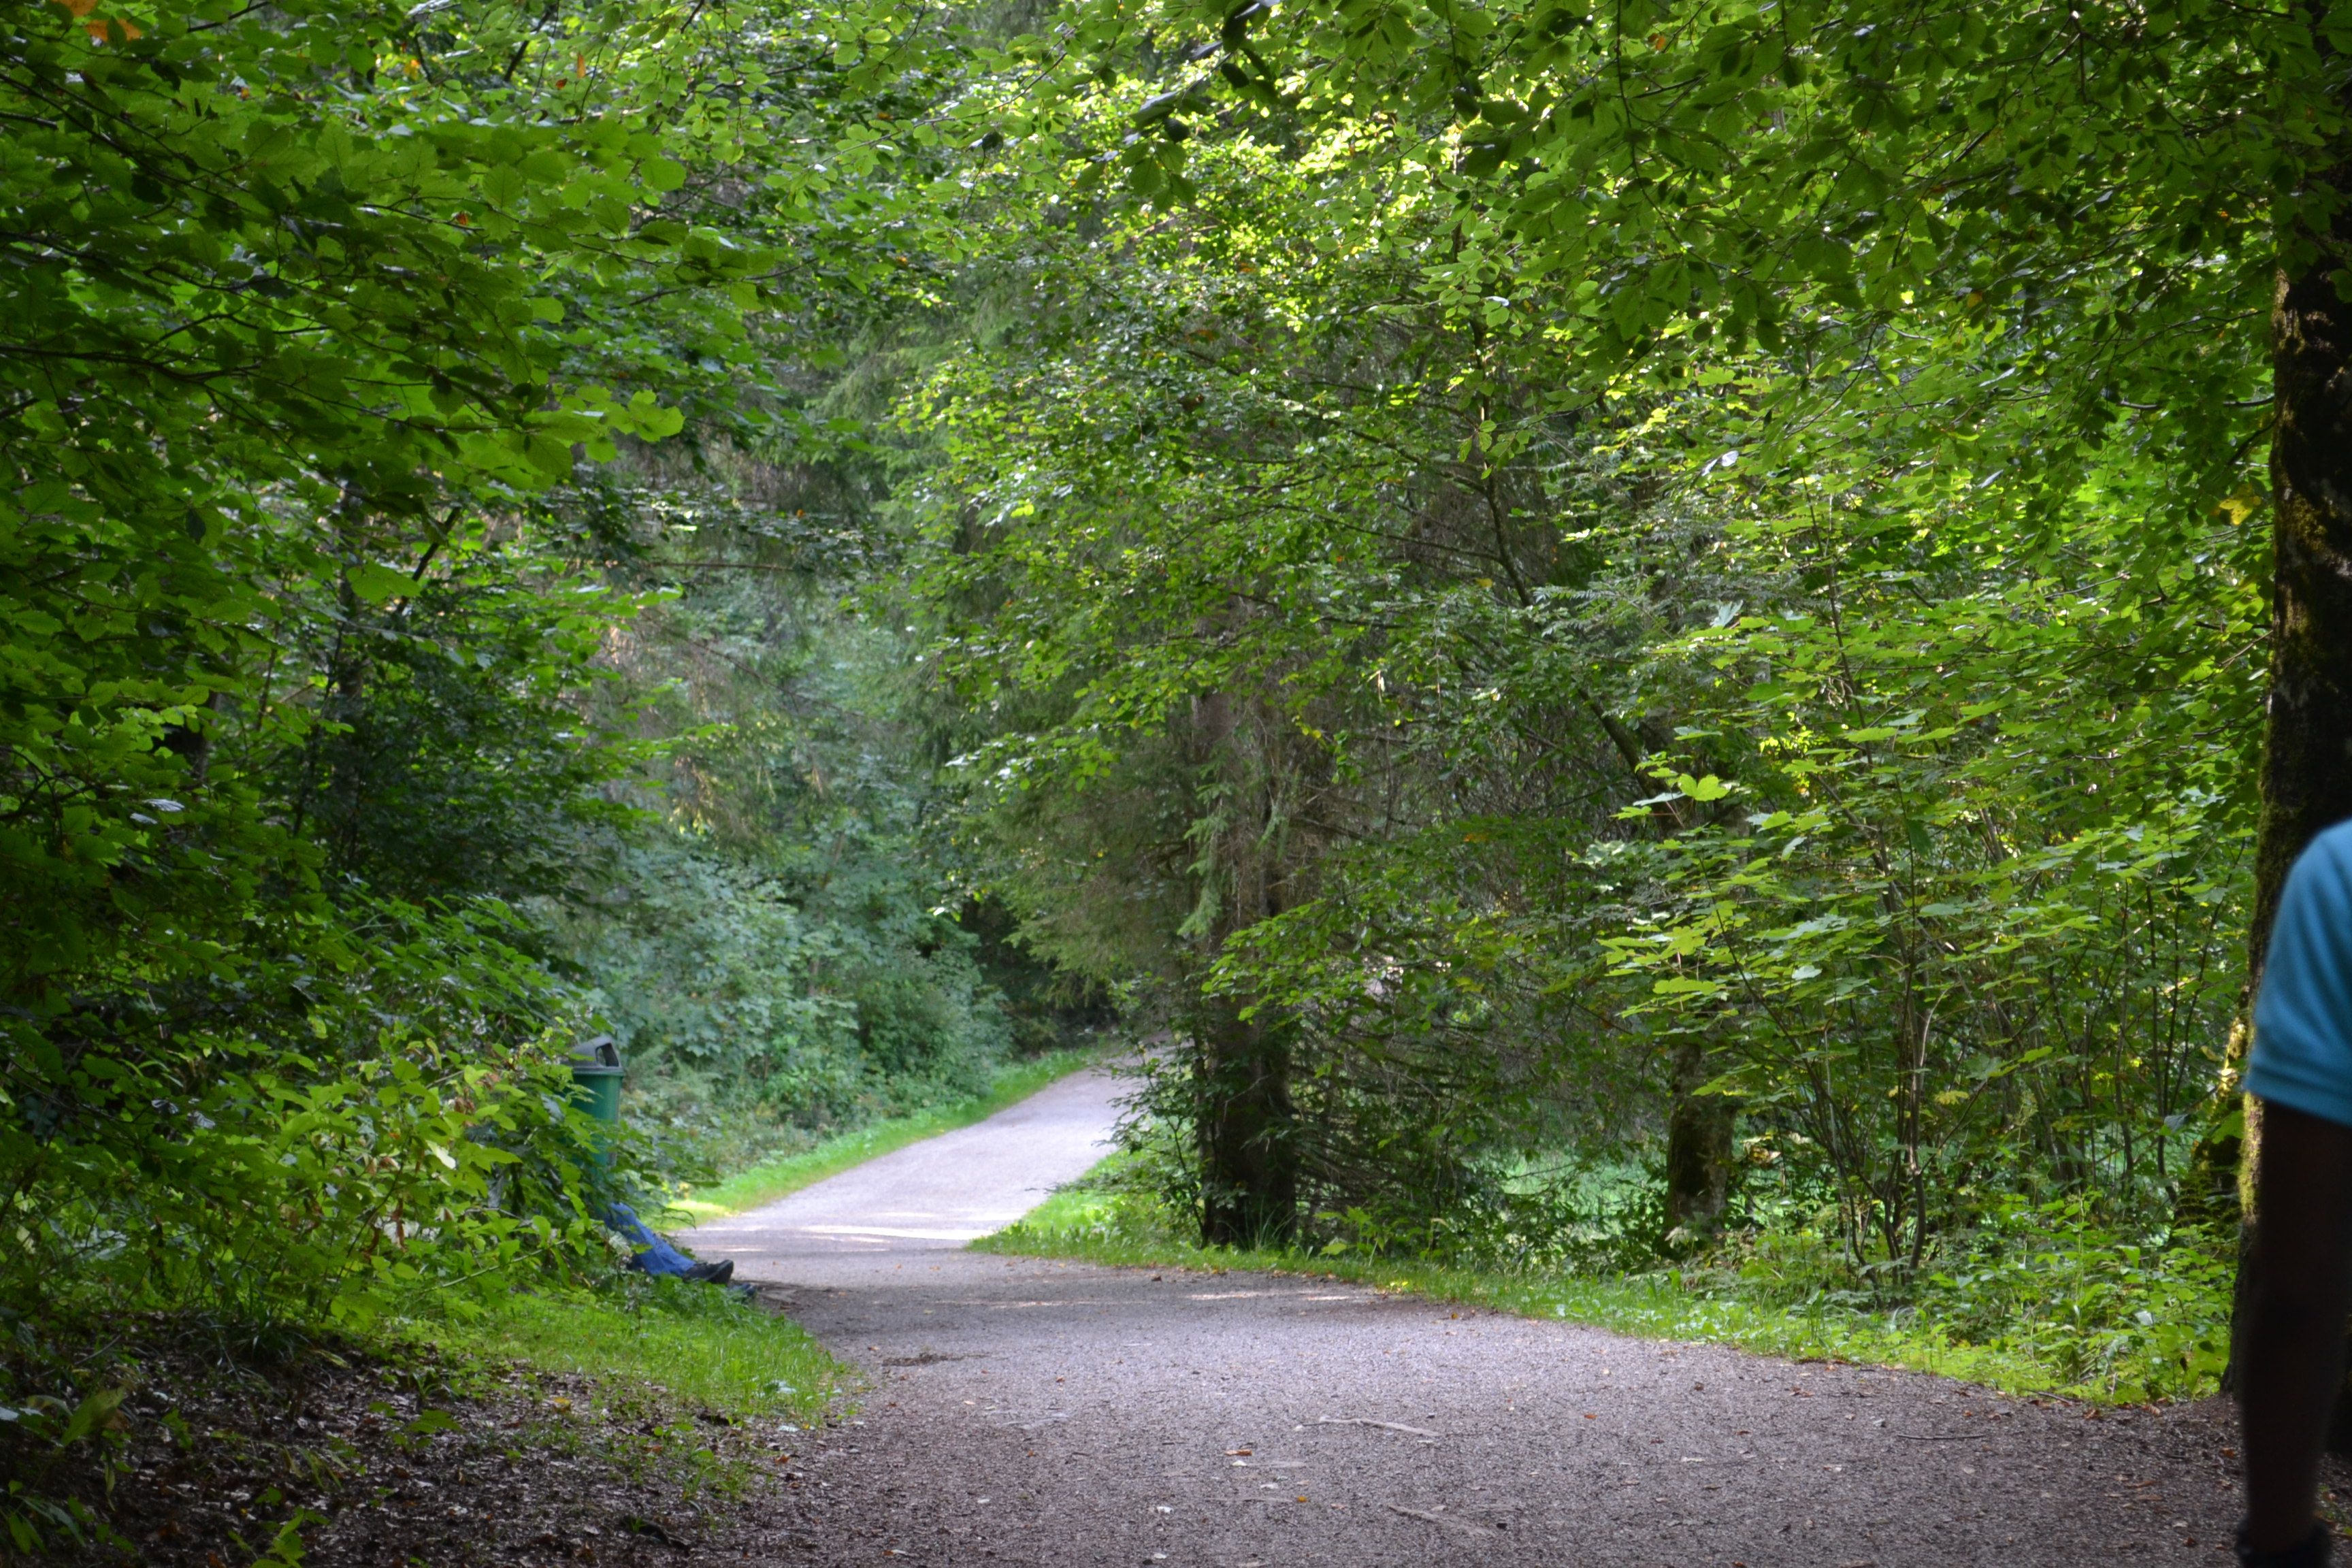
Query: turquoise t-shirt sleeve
[2302, 1019]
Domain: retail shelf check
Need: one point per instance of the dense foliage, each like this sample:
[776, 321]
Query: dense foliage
[1683, 590]
[1546, 736]
[338, 339]
[783, 953]
[1689, 583]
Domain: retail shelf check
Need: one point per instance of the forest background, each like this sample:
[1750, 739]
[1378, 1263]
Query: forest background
[1637, 642]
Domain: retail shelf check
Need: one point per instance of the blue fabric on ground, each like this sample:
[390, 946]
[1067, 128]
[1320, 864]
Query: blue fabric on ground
[2303, 1019]
[658, 1257]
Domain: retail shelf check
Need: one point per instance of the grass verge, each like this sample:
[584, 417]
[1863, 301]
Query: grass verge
[764, 1183]
[270, 1443]
[1097, 1220]
[699, 1345]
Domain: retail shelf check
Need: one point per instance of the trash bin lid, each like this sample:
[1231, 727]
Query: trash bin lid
[596, 1057]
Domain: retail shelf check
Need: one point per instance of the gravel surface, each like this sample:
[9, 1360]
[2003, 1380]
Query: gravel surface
[1046, 1413]
[1052, 1413]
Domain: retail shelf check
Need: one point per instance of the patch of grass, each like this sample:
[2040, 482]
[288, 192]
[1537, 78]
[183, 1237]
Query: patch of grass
[764, 1183]
[1099, 1220]
[700, 1345]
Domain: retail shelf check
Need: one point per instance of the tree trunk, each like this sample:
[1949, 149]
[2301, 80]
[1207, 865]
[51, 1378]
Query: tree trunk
[1249, 1170]
[1245, 1120]
[2306, 778]
[1698, 1148]
[2308, 747]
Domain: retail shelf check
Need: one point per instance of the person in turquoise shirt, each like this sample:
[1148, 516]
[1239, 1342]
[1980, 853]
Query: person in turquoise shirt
[2291, 1348]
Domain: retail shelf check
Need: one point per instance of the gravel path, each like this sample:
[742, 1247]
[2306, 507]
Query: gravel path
[1045, 1413]
[930, 1196]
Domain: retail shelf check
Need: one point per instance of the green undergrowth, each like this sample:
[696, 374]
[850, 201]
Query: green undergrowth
[780, 1177]
[2074, 1314]
[699, 1344]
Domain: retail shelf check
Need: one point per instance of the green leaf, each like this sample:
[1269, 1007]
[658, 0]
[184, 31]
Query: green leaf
[375, 583]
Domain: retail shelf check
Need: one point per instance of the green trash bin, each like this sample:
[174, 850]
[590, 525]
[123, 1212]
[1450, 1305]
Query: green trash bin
[596, 1074]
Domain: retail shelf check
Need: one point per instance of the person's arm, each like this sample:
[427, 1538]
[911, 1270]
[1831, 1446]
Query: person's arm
[2292, 1362]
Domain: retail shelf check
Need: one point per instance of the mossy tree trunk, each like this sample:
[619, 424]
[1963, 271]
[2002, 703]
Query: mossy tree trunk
[1249, 1168]
[1698, 1146]
[2306, 776]
[1246, 855]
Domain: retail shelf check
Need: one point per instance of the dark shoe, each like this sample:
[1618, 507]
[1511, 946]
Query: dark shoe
[2315, 1551]
[718, 1273]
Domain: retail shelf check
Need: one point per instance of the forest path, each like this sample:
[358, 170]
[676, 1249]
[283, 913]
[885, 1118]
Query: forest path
[933, 1196]
[1032, 1411]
